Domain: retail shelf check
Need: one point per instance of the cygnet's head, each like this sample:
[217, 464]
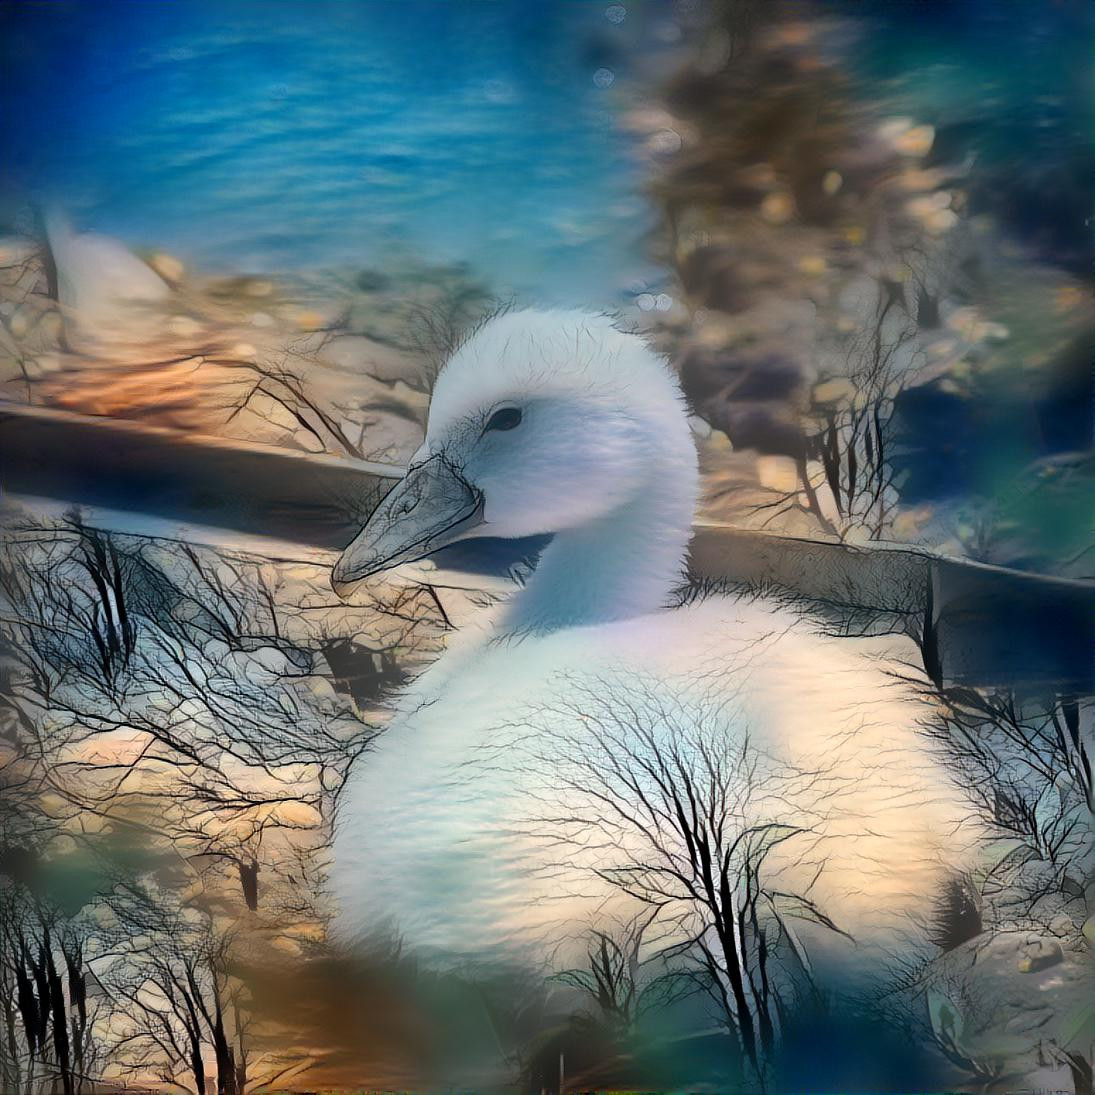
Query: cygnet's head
[541, 422]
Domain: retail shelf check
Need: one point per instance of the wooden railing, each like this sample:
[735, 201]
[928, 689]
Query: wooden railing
[985, 624]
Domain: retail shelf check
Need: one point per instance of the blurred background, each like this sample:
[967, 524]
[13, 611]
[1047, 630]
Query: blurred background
[765, 187]
[861, 233]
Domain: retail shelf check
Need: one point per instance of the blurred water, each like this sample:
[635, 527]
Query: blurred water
[255, 136]
[1008, 85]
[261, 136]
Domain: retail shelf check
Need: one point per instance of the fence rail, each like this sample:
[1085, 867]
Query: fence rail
[990, 625]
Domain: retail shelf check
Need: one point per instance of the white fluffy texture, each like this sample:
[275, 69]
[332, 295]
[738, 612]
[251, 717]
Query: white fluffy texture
[603, 458]
[482, 822]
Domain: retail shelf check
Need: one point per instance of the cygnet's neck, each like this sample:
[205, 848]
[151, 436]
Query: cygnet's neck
[625, 564]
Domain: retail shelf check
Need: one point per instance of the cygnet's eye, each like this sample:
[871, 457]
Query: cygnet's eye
[505, 418]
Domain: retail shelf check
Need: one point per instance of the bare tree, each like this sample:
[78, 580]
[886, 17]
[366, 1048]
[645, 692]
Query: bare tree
[182, 1007]
[221, 727]
[1025, 760]
[44, 1000]
[687, 819]
[177, 706]
[48, 998]
[846, 477]
[622, 981]
[1027, 766]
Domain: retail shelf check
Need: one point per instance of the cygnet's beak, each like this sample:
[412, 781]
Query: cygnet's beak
[431, 506]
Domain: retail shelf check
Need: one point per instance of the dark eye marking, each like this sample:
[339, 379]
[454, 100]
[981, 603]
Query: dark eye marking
[505, 418]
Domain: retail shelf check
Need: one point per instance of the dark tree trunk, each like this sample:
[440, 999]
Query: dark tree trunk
[197, 1066]
[249, 882]
[1081, 1071]
[61, 1046]
[27, 1003]
[226, 1062]
[929, 639]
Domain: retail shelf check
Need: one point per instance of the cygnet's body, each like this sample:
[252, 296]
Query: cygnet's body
[540, 761]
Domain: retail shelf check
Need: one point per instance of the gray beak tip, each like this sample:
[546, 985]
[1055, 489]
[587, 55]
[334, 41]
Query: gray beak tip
[343, 581]
[342, 587]
[432, 506]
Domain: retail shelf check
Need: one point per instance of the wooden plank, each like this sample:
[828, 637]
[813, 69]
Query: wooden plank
[994, 625]
[260, 490]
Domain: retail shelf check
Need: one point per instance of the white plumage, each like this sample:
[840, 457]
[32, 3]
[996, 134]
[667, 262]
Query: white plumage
[505, 809]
